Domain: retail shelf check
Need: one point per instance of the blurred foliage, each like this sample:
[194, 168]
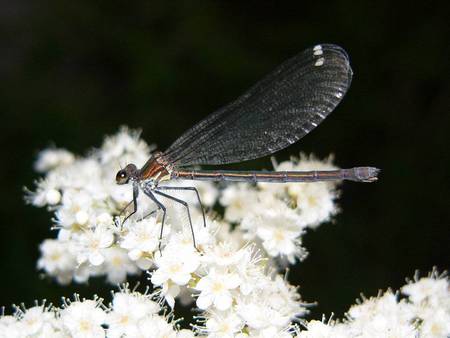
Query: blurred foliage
[73, 72]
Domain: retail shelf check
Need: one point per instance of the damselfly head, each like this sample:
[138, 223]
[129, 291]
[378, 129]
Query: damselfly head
[124, 175]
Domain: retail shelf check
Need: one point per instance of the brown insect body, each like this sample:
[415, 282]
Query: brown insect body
[157, 168]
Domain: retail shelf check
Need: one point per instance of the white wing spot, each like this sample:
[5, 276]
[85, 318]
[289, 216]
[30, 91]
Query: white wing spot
[319, 62]
[318, 50]
[339, 95]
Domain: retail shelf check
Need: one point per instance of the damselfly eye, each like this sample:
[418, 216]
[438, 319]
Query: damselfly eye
[122, 177]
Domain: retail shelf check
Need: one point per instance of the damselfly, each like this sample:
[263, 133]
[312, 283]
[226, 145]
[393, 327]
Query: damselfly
[276, 112]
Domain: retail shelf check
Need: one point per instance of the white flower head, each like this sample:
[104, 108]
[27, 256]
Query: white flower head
[427, 289]
[125, 146]
[117, 264]
[142, 237]
[84, 319]
[316, 203]
[238, 199]
[91, 244]
[57, 259]
[175, 264]
[279, 229]
[156, 326]
[127, 310]
[216, 289]
[52, 158]
[222, 325]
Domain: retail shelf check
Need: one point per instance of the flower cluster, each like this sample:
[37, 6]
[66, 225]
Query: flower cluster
[131, 314]
[232, 275]
[422, 309]
[423, 312]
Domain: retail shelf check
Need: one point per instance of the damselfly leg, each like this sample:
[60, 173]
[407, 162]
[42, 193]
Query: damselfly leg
[134, 201]
[191, 189]
[187, 209]
[161, 206]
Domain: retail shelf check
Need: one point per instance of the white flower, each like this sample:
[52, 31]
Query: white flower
[57, 259]
[272, 331]
[215, 289]
[238, 199]
[125, 146]
[279, 229]
[223, 325]
[11, 327]
[142, 238]
[250, 269]
[155, 327]
[169, 290]
[315, 202]
[175, 264]
[435, 322]
[35, 319]
[126, 312]
[52, 158]
[318, 329]
[185, 334]
[84, 319]
[118, 264]
[92, 243]
[223, 254]
[427, 289]
[75, 210]
[47, 192]
[276, 305]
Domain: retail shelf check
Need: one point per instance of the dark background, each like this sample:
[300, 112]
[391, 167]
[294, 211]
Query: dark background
[73, 72]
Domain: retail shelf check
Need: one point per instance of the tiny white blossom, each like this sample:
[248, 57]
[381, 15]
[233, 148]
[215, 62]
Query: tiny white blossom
[238, 200]
[427, 289]
[279, 229]
[84, 319]
[47, 192]
[318, 329]
[175, 264]
[169, 291]
[35, 319]
[223, 254]
[91, 245]
[118, 265]
[215, 289]
[221, 325]
[124, 146]
[185, 334]
[142, 238]
[276, 304]
[315, 202]
[57, 259]
[53, 158]
[157, 327]
[126, 312]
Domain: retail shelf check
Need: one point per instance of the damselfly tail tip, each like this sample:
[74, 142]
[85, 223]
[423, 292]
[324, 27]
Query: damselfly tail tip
[365, 174]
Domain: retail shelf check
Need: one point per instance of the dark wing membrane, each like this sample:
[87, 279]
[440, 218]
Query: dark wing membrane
[276, 112]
